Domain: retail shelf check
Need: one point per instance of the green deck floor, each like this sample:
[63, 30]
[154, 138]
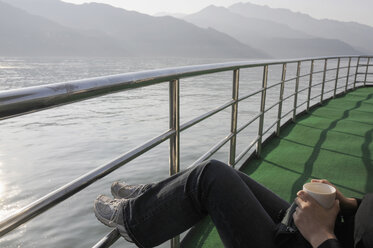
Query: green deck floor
[333, 141]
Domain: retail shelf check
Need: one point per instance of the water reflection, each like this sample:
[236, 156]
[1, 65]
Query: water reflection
[2, 194]
[8, 204]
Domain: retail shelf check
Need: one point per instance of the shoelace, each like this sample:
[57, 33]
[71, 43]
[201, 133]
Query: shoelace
[114, 205]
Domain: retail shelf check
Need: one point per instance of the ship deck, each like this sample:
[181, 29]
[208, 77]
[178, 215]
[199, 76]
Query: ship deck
[332, 141]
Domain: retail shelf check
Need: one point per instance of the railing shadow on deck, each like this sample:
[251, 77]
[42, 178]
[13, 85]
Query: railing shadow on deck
[253, 163]
[308, 166]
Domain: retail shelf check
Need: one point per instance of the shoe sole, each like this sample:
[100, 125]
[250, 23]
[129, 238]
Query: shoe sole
[101, 219]
[121, 229]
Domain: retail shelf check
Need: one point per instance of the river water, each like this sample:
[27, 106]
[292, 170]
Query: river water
[42, 151]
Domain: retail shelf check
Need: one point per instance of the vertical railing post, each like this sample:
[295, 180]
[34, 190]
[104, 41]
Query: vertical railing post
[262, 109]
[323, 81]
[175, 242]
[281, 97]
[348, 73]
[310, 85]
[357, 71]
[296, 91]
[336, 78]
[366, 72]
[174, 161]
[235, 87]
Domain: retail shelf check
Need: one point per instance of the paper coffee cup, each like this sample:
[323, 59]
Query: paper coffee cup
[323, 193]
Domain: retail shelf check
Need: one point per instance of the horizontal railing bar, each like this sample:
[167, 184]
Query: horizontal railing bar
[325, 82]
[108, 240]
[313, 98]
[290, 79]
[44, 203]
[322, 71]
[242, 154]
[205, 116]
[27, 100]
[361, 82]
[289, 112]
[273, 85]
[333, 69]
[365, 64]
[287, 97]
[317, 84]
[340, 87]
[269, 128]
[330, 80]
[212, 112]
[213, 150]
[331, 57]
[344, 67]
[305, 75]
[326, 92]
[300, 105]
[294, 78]
[306, 88]
[248, 95]
[248, 123]
[342, 77]
[271, 107]
[333, 79]
[317, 72]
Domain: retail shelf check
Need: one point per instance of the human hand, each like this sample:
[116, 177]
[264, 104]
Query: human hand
[346, 204]
[314, 222]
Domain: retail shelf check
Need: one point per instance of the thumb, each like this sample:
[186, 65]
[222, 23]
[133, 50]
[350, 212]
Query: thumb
[307, 197]
[321, 181]
[316, 181]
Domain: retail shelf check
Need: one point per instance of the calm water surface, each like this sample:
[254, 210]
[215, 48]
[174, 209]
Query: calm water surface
[42, 151]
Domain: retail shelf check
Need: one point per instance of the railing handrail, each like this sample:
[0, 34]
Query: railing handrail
[26, 100]
[16, 102]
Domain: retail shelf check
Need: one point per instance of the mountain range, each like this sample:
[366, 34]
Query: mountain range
[48, 27]
[244, 30]
[23, 34]
[358, 35]
[277, 38]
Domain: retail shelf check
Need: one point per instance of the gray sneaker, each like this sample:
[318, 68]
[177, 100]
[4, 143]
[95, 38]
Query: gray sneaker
[110, 212]
[123, 190]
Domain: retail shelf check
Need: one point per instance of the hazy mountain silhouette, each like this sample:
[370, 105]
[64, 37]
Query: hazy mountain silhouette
[23, 34]
[140, 34]
[359, 36]
[277, 39]
[225, 20]
[176, 15]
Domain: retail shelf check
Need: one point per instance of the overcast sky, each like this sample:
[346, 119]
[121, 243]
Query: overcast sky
[344, 10]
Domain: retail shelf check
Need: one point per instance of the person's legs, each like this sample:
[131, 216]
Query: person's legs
[243, 211]
[271, 202]
[165, 209]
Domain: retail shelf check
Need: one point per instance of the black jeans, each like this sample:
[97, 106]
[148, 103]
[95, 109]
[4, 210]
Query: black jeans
[244, 212]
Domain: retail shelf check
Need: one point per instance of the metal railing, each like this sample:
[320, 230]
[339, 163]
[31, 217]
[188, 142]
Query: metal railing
[27, 100]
